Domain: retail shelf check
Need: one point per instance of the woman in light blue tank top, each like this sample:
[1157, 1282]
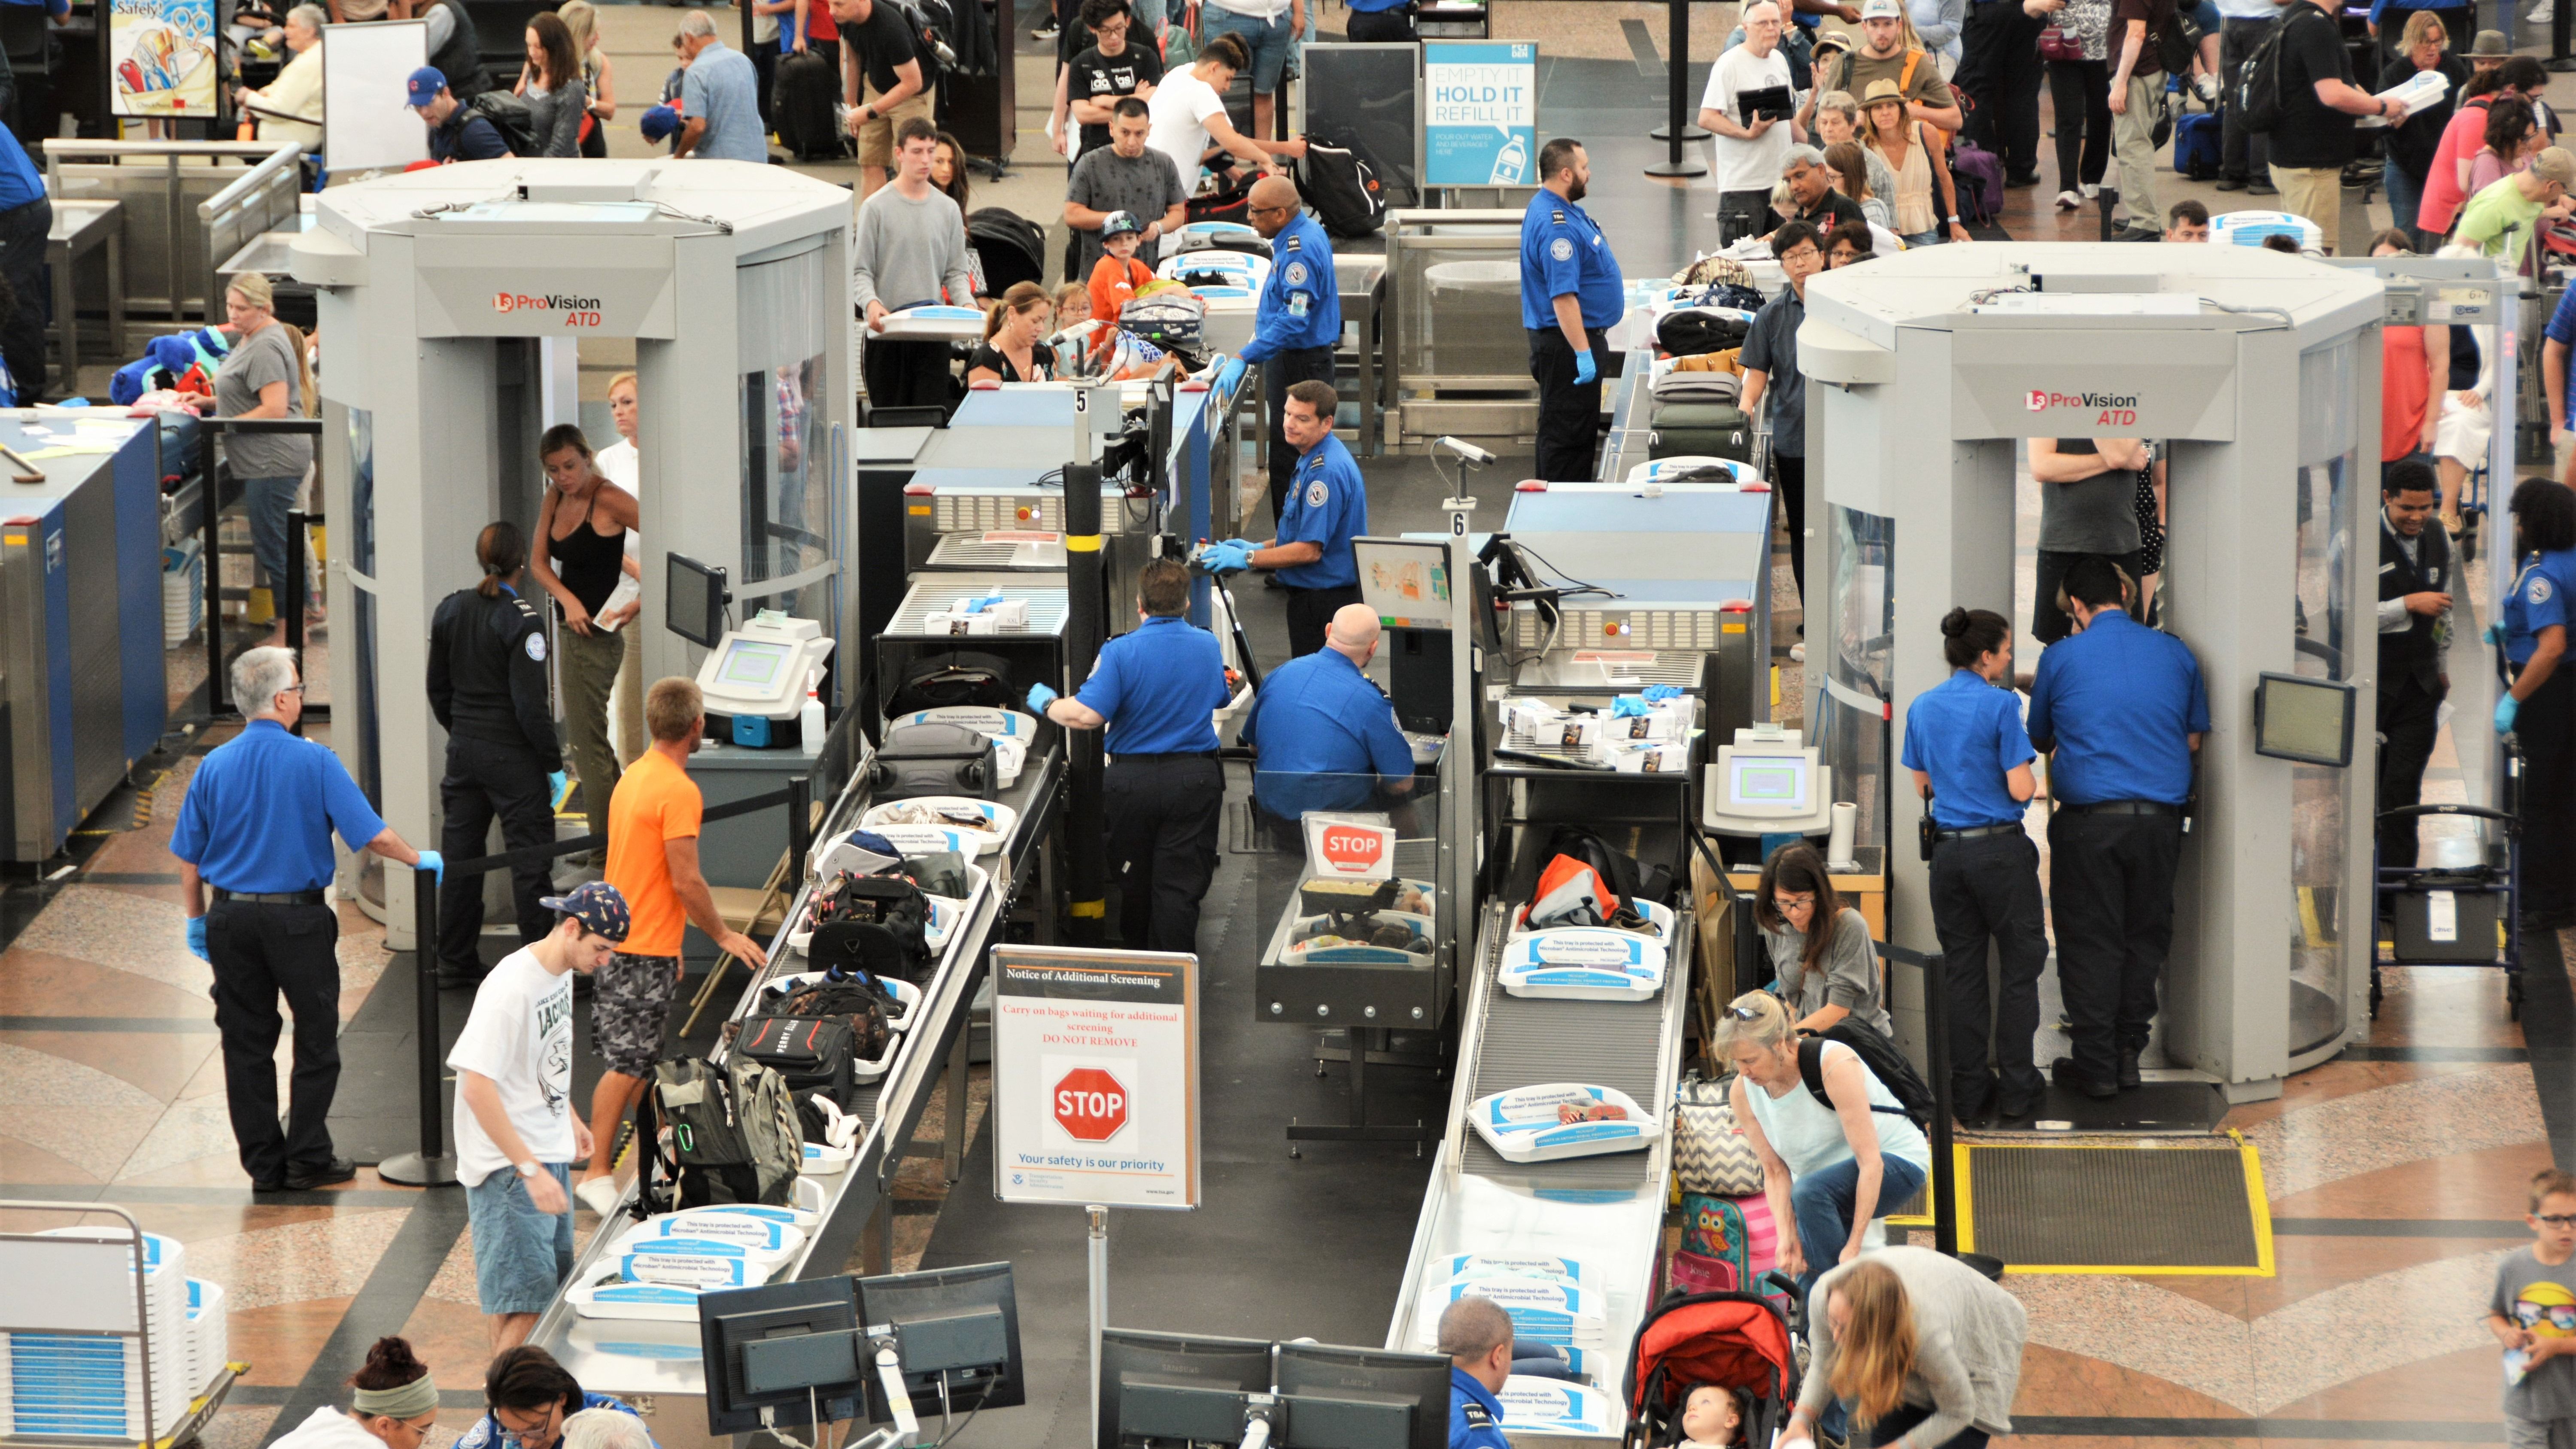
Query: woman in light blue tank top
[1828, 1169]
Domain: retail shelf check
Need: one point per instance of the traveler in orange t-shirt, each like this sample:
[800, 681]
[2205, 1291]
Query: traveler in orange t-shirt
[1115, 280]
[653, 861]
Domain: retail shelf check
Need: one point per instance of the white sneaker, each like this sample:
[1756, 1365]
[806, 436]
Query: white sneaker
[2541, 14]
[599, 1194]
[2207, 86]
[2092, 190]
[2068, 201]
[1797, 653]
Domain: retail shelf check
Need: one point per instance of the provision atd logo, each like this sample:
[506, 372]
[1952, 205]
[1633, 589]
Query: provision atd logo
[2109, 408]
[577, 311]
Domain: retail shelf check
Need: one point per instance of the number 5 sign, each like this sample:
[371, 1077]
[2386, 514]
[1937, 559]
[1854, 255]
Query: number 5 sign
[1095, 1077]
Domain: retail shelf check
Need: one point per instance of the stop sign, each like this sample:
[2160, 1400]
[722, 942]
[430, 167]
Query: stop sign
[1090, 1105]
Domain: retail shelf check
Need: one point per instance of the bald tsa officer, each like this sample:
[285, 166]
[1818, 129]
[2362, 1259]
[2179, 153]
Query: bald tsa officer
[1156, 689]
[1299, 321]
[1571, 293]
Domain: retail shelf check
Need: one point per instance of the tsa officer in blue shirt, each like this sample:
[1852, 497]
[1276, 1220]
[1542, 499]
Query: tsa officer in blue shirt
[1971, 760]
[1570, 295]
[1156, 689]
[1477, 1335]
[1327, 508]
[1383, 22]
[26, 217]
[1326, 737]
[256, 826]
[2122, 708]
[2539, 710]
[1300, 317]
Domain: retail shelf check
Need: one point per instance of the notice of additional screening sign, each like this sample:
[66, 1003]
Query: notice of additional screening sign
[1479, 114]
[1095, 1077]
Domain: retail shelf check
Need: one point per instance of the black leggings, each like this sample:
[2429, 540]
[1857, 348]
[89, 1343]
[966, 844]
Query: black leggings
[2081, 92]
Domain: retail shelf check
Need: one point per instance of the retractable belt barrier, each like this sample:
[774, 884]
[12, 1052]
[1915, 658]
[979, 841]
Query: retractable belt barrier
[1944, 1185]
[431, 1166]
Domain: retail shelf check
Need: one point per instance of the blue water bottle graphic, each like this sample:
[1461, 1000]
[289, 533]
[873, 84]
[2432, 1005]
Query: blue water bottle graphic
[1511, 163]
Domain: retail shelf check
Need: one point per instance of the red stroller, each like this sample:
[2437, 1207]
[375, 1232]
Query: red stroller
[1732, 1340]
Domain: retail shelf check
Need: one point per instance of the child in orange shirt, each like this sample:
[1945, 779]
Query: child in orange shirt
[1115, 280]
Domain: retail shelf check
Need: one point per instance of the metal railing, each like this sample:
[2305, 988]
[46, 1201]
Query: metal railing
[286, 594]
[265, 192]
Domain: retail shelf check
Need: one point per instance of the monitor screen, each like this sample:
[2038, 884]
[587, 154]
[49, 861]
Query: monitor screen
[943, 1319]
[1405, 582]
[1363, 1398]
[787, 1348]
[1767, 782]
[694, 603]
[1162, 1368]
[2309, 720]
[754, 665]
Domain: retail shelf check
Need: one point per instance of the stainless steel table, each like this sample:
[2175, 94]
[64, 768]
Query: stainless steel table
[81, 227]
[1362, 280]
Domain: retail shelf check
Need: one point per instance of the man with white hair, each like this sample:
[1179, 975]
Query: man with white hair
[1326, 737]
[256, 827]
[605, 1429]
[1476, 1334]
[1750, 109]
[290, 107]
[720, 95]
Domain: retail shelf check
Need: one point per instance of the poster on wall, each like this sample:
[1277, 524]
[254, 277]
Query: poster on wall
[161, 57]
[1095, 1077]
[1479, 113]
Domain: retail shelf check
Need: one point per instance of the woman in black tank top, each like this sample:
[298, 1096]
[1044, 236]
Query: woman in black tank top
[580, 549]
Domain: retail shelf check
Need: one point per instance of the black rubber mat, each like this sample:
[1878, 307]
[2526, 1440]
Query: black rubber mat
[2154, 1107]
[2116, 1208]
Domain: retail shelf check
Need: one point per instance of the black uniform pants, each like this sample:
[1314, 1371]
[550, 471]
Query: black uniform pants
[1310, 612]
[1999, 69]
[1789, 481]
[2409, 716]
[485, 780]
[1162, 815]
[2110, 887]
[2243, 154]
[22, 263]
[1569, 415]
[1988, 888]
[2546, 726]
[1281, 371]
[1387, 27]
[258, 952]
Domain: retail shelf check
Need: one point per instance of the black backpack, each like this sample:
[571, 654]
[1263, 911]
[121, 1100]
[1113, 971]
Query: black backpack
[511, 117]
[1692, 331]
[811, 1053]
[1343, 188]
[959, 677]
[876, 925]
[2177, 44]
[934, 759]
[928, 22]
[1881, 1056]
[1619, 870]
[2258, 88]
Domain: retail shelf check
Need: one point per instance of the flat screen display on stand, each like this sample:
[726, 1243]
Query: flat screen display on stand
[1404, 581]
[695, 601]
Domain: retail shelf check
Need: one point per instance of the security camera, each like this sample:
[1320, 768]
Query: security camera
[1464, 449]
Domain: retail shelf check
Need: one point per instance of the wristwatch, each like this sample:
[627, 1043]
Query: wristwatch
[527, 1170]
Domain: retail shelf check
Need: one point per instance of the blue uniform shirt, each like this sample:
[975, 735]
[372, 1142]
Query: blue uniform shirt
[1318, 716]
[1327, 507]
[2538, 600]
[20, 183]
[1562, 252]
[1967, 735]
[1475, 1416]
[486, 1433]
[1157, 686]
[1301, 304]
[2116, 703]
[259, 814]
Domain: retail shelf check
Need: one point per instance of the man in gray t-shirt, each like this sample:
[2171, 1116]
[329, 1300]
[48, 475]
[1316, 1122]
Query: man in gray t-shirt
[1125, 175]
[2088, 504]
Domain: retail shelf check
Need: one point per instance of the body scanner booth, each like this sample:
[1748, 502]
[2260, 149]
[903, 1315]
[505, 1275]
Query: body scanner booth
[463, 292]
[2257, 375]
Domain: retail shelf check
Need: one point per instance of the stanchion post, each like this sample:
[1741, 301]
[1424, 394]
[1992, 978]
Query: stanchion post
[293, 603]
[1936, 1025]
[800, 828]
[1086, 629]
[1099, 1255]
[218, 697]
[1677, 130]
[2559, 21]
[431, 1166]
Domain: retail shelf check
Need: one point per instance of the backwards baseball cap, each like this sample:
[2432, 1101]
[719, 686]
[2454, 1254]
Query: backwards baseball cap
[425, 83]
[2555, 164]
[1881, 10]
[597, 905]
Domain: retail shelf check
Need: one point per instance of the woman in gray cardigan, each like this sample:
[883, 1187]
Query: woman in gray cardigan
[551, 85]
[1925, 1350]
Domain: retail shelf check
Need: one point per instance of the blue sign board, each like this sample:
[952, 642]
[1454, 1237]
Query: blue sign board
[1479, 114]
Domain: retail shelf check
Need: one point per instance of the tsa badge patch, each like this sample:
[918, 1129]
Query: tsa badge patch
[2540, 589]
[1561, 249]
[1317, 494]
[1296, 274]
[536, 647]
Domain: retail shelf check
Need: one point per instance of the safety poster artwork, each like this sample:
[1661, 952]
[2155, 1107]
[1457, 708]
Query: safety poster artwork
[1095, 1077]
[161, 57]
[1479, 113]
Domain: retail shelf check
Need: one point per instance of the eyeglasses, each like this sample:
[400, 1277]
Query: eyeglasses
[2556, 1220]
[292, 689]
[1794, 903]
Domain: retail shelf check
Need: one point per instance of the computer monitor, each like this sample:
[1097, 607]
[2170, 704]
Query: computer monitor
[1363, 1398]
[1778, 783]
[1404, 581]
[957, 1330]
[694, 600]
[2308, 720]
[1177, 1386]
[784, 1350]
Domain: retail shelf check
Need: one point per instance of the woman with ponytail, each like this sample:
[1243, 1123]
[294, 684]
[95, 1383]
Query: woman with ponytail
[1970, 756]
[1921, 1349]
[1012, 326]
[394, 1405]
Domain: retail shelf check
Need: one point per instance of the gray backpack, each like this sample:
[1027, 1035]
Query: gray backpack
[713, 1134]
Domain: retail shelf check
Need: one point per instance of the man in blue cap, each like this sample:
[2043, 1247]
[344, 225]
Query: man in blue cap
[1477, 1335]
[455, 133]
[1299, 320]
[1571, 293]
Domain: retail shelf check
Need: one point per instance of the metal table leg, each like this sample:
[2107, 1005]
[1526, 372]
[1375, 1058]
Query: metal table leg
[115, 295]
[58, 255]
[957, 1083]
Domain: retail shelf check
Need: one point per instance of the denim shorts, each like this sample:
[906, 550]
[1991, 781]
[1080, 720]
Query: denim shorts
[1267, 40]
[520, 1254]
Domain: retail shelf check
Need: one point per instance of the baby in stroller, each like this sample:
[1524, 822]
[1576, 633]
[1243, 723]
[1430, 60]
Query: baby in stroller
[1712, 1370]
[1713, 1416]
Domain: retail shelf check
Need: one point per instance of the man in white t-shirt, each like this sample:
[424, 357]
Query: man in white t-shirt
[1745, 157]
[1188, 111]
[516, 1133]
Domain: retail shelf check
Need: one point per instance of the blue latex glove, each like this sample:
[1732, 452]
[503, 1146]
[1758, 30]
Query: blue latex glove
[197, 939]
[1229, 557]
[555, 786]
[1039, 698]
[435, 864]
[2494, 632]
[1628, 706]
[1586, 371]
[1658, 693]
[1228, 373]
[2506, 708]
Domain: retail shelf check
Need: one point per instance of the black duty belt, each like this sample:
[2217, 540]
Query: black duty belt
[1159, 759]
[273, 898]
[1978, 832]
[2125, 807]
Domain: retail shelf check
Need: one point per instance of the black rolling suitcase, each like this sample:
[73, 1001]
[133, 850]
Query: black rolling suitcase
[808, 91]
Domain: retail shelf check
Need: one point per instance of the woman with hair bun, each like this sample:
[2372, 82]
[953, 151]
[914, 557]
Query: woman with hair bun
[394, 1405]
[1971, 757]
